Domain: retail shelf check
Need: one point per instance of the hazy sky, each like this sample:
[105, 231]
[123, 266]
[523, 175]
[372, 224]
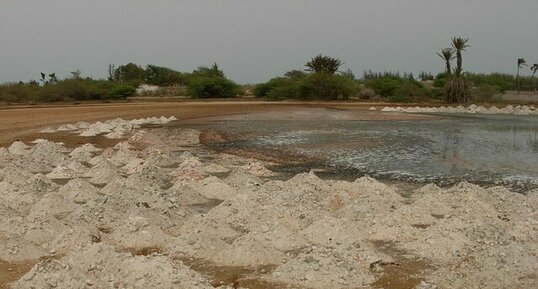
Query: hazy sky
[254, 40]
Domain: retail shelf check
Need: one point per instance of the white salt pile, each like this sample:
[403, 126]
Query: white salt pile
[158, 207]
[113, 129]
[472, 109]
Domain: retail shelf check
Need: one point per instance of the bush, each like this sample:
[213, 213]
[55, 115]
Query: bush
[203, 86]
[308, 86]
[484, 92]
[289, 90]
[122, 91]
[263, 89]
[400, 98]
[163, 76]
[411, 90]
[327, 86]
[384, 86]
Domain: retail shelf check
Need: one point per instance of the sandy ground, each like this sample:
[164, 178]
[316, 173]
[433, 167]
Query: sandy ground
[156, 209]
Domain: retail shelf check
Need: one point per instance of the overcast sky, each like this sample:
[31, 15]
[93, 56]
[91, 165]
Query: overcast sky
[254, 40]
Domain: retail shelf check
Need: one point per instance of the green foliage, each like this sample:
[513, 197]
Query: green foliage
[457, 89]
[299, 85]
[348, 73]
[397, 89]
[324, 64]
[296, 74]
[440, 80]
[263, 89]
[385, 86]
[71, 89]
[203, 86]
[211, 82]
[163, 76]
[288, 90]
[484, 92]
[122, 91]
[204, 71]
[327, 86]
[129, 72]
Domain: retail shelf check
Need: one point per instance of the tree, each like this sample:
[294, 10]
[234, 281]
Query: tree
[129, 72]
[534, 69]
[520, 63]
[213, 71]
[295, 74]
[447, 55]
[163, 76]
[457, 88]
[112, 72]
[425, 76]
[348, 73]
[324, 64]
[459, 44]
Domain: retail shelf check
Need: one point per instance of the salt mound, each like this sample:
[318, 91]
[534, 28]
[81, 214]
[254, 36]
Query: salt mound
[110, 269]
[48, 153]
[62, 172]
[214, 188]
[241, 178]
[38, 184]
[472, 109]
[122, 156]
[67, 127]
[327, 268]
[18, 148]
[133, 166]
[149, 176]
[161, 157]
[259, 170]
[103, 173]
[124, 145]
[79, 191]
[83, 153]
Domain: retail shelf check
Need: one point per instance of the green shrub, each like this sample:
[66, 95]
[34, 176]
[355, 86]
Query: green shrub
[412, 91]
[122, 91]
[327, 86]
[202, 86]
[263, 89]
[290, 90]
[484, 92]
[399, 98]
[163, 76]
[384, 86]
[308, 86]
[440, 80]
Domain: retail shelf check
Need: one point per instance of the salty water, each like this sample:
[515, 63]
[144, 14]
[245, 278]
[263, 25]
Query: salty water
[486, 150]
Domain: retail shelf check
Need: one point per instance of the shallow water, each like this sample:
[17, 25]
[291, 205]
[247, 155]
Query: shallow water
[486, 150]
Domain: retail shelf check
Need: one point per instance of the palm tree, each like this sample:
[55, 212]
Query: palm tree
[447, 55]
[324, 64]
[520, 63]
[459, 44]
[534, 69]
[457, 89]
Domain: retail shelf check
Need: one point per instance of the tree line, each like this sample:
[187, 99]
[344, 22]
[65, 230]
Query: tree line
[321, 78]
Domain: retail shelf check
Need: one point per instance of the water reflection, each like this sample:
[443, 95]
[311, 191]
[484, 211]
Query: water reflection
[481, 149]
